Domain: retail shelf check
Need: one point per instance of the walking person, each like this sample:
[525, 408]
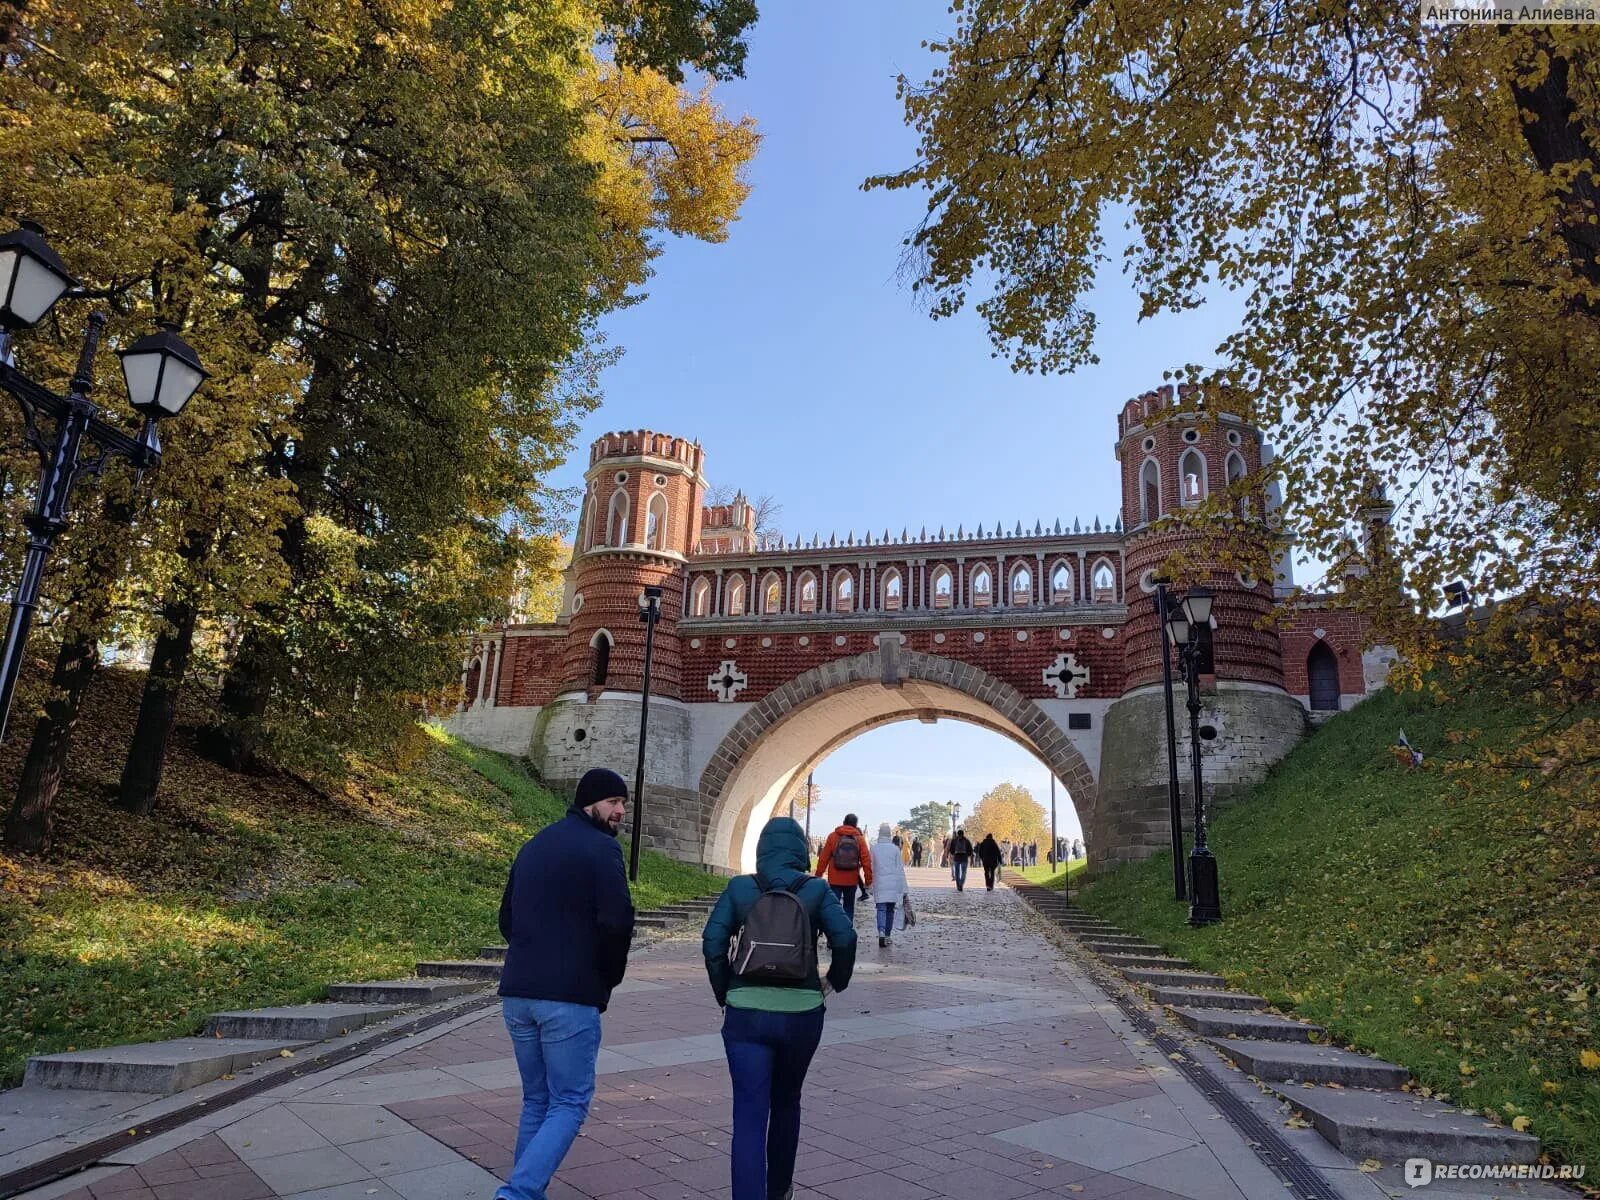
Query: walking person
[989, 856]
[567, 918]
[845, 861]
[916, 852]
[761, 957]
[889, 873]
[960, 852]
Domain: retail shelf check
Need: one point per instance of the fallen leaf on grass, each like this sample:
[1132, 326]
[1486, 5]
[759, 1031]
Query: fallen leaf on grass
[1298, 1122]
[1371, 1164]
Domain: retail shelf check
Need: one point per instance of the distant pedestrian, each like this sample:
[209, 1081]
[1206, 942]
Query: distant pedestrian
[845, 861]
[889, 875]
[960, 852]
[761, 957]
[944, 857]
[916, 852]
[567, 919]
[989, 856]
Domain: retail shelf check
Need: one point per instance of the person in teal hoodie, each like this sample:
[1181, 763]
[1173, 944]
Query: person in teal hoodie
[771, 1031]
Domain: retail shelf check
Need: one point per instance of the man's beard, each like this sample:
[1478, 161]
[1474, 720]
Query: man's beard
[601, 823]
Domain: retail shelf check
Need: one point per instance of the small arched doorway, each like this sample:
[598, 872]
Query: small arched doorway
[1322, 676]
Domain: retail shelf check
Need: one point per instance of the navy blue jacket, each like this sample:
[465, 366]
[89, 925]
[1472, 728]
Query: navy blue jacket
[566, 915]
[782, 856]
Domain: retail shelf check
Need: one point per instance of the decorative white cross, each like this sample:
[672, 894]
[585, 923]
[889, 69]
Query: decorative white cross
[1066, 676]
[727, 681]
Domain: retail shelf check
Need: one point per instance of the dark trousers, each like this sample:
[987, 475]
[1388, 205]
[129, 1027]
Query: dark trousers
[958, 872]
[988, 875]
[768, 1056]
[847, 897]
[916, 858]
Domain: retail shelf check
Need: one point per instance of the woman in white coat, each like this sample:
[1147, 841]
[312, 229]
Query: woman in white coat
[888, 880]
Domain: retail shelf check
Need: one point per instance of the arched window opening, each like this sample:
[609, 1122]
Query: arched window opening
[588, 522]
[1322, 676]
[772, 597]
[655, 534]
[1192, 475]
[1149, 491]
[844, 593]
[602, 657]
[942, 586]
[1022, 586]
[1105, 583]
[736, 598]
[700, 598]
[808, 593]
[617, 521]
[892, 598]
[1061, 584]
[982, 587]
[474, 682]
[1236, 474]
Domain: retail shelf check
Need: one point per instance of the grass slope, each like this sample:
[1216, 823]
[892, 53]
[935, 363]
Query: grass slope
[245, 891]
[1448, 928]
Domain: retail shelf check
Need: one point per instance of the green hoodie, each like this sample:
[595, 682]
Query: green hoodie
[782, 856]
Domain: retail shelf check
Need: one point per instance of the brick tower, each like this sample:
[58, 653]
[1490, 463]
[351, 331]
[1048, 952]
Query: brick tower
[1176, 450]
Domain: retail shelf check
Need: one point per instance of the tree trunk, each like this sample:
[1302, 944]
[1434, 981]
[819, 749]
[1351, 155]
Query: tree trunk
[158, 707]
[31, 821]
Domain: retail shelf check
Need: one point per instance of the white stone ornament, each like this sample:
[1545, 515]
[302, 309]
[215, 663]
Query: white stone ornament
[727, 681]
[1065, 676]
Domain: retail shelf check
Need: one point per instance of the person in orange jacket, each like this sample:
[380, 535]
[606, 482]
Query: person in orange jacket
[848, 867]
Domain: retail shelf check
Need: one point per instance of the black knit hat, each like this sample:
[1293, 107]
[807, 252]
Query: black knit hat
[597, 785]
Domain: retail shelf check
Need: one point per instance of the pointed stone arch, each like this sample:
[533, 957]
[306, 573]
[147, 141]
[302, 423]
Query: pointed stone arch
[801, 722]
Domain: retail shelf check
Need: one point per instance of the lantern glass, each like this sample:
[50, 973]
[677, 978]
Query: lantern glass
[1178, 629]
[1197, 607]
[162, 373]
[30, 283]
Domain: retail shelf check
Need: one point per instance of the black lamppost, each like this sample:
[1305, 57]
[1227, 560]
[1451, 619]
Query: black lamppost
[161, 371]
[649, 613]
[1174, 808]
[1189, 627]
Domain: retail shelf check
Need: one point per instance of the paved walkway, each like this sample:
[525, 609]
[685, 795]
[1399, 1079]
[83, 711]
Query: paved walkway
[971, 1059]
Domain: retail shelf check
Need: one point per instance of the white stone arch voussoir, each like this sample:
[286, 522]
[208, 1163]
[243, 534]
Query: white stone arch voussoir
[801, 722]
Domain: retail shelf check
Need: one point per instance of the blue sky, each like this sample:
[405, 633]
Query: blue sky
[793, 354]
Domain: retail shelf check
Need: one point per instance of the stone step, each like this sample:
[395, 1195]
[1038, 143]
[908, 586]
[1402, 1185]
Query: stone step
[1305, 1062]
[498, 952]
[302, 1022]
[1198, 979]
[1393, 1126]
[161, 1067]
[1161, 962]
[468, 968]
[404, 992]
[1100, 947]
[1230, 1022]
[1120, 939]
[1077, 923]
[1206, 998]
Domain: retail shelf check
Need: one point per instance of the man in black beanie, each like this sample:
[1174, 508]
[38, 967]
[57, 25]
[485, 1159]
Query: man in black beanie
[567, 918]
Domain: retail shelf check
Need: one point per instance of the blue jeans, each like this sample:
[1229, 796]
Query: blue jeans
[959, 870]
[885, 918]
[847, 897]
[556, 1046]
[768, 1055]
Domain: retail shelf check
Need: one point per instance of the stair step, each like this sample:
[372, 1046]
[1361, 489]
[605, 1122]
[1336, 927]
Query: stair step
[1199, 979]
[1230, 1022]
[160, 1067]
[296, 1022]
[647, 921]
[1121, 939]
[1160, 962]
[1206, 998]
[1100, 947]
[1393, 1126]
[405, 992]
[493, 951]
[467, 968]
[1305, 1062]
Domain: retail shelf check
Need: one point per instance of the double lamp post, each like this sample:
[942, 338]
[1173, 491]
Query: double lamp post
[1186, 624]
[161, 372]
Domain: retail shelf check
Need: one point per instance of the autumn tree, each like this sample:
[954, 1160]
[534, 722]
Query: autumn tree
[929, 821]
[1409, 216]
[1011, 814]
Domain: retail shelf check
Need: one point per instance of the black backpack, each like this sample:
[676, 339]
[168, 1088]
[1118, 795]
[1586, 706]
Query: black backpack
[775, 944]
[847, 853]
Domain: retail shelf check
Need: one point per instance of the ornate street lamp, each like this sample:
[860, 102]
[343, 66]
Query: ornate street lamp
[649, 613]
[1174, 804]
[161, 372]
[1189, 628]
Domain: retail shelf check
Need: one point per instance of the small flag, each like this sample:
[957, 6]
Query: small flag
[1415, 755]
